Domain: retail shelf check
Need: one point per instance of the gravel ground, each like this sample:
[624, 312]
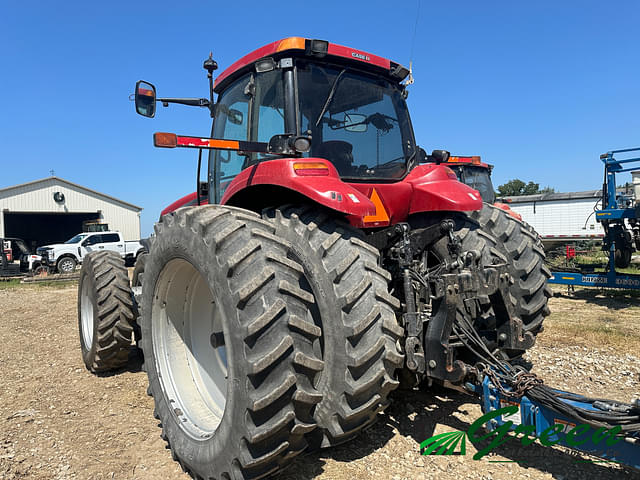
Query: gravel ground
[57, 421]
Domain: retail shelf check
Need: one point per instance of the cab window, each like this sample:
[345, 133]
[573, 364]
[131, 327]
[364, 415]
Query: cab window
[110, 238]
[92, 240]
[232, 123]
[270, 106]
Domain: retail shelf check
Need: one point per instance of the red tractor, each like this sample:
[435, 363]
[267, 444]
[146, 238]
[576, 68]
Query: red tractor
[474, 172]
[326, 261]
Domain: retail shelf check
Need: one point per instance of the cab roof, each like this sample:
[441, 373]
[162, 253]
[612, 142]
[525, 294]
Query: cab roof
[312, 48]
[474, 160]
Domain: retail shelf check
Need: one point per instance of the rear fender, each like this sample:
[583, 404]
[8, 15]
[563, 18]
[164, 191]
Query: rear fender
[186, 201]
[327, 189]
[436, 188]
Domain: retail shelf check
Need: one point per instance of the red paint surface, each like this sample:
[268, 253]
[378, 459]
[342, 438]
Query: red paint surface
[435, 190]
[317, 188]
[272, 48]
[183, 202]
[427, 188]
[347, 52]
[261, 52]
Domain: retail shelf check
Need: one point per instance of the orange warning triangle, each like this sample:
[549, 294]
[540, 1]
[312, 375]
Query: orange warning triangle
[381, 214]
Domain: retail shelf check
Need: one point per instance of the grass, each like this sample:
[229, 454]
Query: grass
[15, 283]
[596, 258]
[593, 317]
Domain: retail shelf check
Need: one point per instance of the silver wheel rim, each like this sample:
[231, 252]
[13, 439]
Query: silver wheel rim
[66, 265]
[186, 324]
[86, 316]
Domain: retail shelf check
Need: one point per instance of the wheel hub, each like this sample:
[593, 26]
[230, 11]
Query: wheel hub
[189, 348]
[86, 312]
[66, 266]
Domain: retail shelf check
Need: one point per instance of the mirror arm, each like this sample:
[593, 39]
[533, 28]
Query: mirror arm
[194, 102]
[284, 144]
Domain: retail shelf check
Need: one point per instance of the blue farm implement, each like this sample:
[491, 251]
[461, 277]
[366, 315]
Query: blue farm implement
[619, 216]
[599, 427]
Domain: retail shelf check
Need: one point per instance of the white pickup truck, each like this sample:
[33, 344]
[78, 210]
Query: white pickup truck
[65, 256]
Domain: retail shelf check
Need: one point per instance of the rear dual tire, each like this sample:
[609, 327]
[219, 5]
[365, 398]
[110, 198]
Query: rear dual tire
[227, 344]
[354, 313]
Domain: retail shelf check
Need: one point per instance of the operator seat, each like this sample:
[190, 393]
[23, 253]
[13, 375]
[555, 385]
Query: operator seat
[339, 153]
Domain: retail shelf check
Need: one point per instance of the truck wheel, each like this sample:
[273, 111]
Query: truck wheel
[227, 344]
[105, 311]
[520, 244]
[66, 265]
[356, 315]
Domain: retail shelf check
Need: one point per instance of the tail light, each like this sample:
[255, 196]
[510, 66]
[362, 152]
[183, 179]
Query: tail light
[311, 169]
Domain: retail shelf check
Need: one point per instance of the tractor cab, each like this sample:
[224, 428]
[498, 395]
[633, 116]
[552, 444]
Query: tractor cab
[350, 107]
[302, 117]
[473, 172]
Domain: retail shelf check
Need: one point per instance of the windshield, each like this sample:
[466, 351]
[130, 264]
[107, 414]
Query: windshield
[76, 239]
[358, 122]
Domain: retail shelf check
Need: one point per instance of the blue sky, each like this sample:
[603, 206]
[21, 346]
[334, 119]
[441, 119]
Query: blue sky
[539, 89]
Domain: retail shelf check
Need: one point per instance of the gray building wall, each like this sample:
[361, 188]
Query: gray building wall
[560, 214]
[37, 197]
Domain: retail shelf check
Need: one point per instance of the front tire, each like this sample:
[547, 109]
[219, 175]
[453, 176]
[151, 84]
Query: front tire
[66, 265]
[356, 315]
[227, 347]
[105, 312]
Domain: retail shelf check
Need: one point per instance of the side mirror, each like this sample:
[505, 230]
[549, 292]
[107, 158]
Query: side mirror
[355, 122]
[235, 116]
[440, 156]
[145, 99]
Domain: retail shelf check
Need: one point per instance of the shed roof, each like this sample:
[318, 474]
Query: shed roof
[62, 180]
[548, 197]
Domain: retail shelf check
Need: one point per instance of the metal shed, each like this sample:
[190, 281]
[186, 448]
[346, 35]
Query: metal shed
[51, 210]
[560, 216]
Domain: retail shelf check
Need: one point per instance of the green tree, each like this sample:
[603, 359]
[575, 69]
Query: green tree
[517, 187]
